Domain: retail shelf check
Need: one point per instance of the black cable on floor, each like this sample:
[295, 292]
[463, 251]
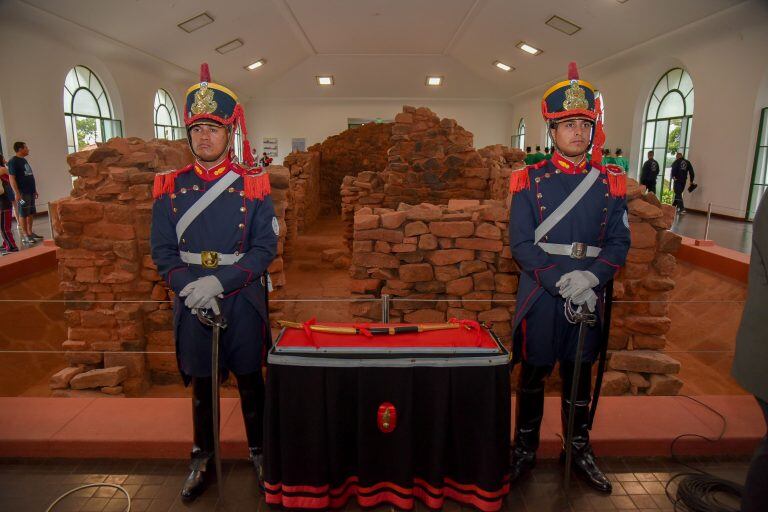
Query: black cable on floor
[700, 491]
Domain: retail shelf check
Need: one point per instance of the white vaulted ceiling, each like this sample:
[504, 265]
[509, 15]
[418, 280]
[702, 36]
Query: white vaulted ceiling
[382, 48]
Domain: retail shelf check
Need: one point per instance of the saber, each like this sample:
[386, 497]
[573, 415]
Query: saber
[588, 319]
[217, 322]
[376, 331]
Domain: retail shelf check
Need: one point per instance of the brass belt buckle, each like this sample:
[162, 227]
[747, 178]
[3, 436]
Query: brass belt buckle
[578, 250]
[209, 259]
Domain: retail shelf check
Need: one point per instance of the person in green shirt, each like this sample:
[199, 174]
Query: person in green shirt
[529, 157]
[607, 157]
[621, 161]
[538, 156]
[547, 154]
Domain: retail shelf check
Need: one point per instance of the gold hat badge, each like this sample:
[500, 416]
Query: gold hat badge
[575, 97]
[204, 102]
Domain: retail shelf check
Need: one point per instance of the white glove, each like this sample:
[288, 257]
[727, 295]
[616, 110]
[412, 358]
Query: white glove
[576, 282]
[588, 297]
[200, 292]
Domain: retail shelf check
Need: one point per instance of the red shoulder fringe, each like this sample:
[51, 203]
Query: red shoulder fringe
[617, 180]
[256, 186]
[519, 180]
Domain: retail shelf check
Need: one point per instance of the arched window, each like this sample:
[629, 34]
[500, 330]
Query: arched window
[760, 166]
[667, 127]
[87, 110]
[167, 124]
[518, 141]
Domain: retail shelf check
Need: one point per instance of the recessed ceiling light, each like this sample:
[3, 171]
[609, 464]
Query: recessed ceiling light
[622, 1]
[228, 47]
[434, 80]
[528, 48]
[255, 65]
[502, 66]
[196, 23]
[324, 80]
[563, 25]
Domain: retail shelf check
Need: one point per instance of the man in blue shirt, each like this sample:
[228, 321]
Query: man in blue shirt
[24, 189]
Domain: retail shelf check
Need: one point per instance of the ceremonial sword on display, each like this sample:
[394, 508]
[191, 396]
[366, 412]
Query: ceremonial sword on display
[217, 322]
[582, 318]
[376, 331]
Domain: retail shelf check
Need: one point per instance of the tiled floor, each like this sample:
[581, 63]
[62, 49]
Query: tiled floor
[33, 484]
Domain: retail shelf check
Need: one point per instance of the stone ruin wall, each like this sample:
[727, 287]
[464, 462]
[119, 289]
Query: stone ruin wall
[456, 251]
[118, 305]
[317, 174]
[430, 160]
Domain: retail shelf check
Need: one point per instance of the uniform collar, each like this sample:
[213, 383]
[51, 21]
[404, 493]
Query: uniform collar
[213, 173]
[566, 166]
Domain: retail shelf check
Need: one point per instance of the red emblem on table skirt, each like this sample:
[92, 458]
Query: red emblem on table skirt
[387, 417]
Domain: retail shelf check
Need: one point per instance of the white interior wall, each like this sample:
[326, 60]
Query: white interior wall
[725, 56]
[37, 50]
[316, 120]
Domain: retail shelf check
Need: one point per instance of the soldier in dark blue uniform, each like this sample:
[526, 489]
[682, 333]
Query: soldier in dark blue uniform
[569, 233]
[214, 233]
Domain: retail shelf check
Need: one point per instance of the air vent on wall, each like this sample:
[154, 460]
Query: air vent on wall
[563, 25]
[196, 23]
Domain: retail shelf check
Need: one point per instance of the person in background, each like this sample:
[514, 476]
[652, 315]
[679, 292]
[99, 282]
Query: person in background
[649, 173]
[620, 160]
[547, 154]
[528, 156]
[608, 157]
[265, 160]
[6, 212]
[750, 362]
[538, 156]
[681, 168]
[25, 190]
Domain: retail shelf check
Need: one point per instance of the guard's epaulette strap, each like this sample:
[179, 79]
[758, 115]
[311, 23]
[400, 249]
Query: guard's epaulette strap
[255, 182]
[617, 180]
[165, 182]
[519, 180]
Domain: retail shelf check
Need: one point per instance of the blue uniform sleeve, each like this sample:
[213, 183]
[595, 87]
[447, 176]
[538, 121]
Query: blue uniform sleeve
[616, 246]
[263, 248]
[165, 247]
[531, 258]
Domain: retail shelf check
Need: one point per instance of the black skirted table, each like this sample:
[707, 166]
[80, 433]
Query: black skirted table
[387, 419]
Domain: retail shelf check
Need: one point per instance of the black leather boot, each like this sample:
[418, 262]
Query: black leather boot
[583, 460]
[202, 452]
[251, 388]
[197, 480]
[529, 410]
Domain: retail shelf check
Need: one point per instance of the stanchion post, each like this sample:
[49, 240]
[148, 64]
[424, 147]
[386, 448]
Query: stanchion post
[385, 308]
[706, 228]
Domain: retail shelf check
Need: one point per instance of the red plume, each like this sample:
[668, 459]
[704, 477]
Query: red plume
[205, 75]
[573, 72]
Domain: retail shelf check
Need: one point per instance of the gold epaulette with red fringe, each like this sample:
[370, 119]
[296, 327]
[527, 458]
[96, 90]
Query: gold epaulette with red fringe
[165, 182]
[255, 182]
[617, 180]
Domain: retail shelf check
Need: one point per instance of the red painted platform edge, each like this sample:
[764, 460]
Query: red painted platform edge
[28, 262]
[730, 263]
[614, 417]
